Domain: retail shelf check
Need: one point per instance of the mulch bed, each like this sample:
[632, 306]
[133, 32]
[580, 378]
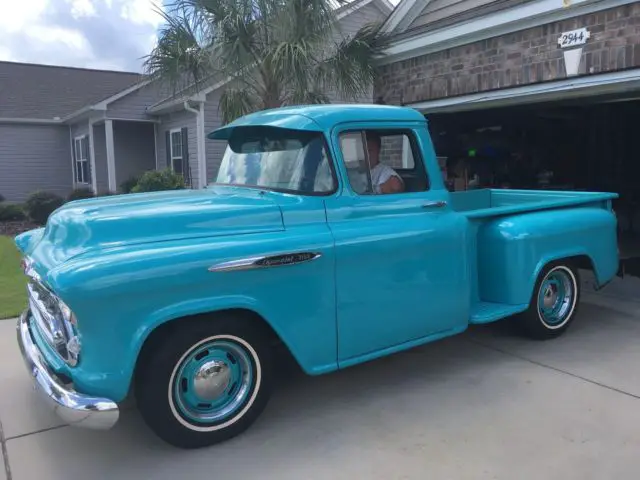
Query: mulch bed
[12, 229]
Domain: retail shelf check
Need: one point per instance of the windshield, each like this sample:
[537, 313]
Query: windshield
[277, 159]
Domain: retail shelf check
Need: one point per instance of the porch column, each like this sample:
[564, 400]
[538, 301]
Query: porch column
[92, 159]
[202, 152]
[111, 158]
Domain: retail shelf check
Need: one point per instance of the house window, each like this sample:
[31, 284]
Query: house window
[81, 158]
[177, 155]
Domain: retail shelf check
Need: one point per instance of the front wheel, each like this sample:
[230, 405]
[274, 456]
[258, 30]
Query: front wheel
[205, 383]
[554, 302]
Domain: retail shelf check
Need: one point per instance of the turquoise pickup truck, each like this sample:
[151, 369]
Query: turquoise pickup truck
[328, 231]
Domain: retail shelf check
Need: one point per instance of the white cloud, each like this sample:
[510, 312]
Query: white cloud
[82, 8]
[15, 15]
[142, 11]
[68, 38]
[111, 34]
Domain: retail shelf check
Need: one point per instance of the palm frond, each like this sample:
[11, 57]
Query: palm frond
[178, 58]
[350, 69]
[236, 102]
[273, 51]
[306, 97]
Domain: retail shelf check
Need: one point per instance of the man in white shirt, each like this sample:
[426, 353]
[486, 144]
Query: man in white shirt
[384, 179]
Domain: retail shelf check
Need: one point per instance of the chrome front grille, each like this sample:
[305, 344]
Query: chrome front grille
[49, 320]
[41, 303]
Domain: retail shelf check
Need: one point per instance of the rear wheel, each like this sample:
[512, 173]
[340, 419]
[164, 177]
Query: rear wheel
[554, 302]
[205, 383]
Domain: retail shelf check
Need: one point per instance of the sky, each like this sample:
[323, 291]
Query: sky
[101, 34]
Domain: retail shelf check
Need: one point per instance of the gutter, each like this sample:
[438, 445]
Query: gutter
[200, 146]
[162, 106]
[41, 121]
[89, 109]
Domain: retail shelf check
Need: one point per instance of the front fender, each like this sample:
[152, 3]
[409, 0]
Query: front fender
[122, 295]
[311, 362]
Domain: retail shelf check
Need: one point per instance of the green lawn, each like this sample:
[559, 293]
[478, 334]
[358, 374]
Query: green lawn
[13, 297]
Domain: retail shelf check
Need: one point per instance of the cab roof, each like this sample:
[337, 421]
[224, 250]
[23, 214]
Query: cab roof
[318, 118]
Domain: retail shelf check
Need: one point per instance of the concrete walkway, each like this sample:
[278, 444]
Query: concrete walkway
[483, 405]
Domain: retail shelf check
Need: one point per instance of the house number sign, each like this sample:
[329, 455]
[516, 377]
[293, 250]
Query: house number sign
[574, 38]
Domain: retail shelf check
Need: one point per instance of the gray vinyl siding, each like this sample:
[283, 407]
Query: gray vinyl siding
[134, 105]
[133, 149]
[80, 129]
[34, 157]
[437, 10]
[441, 13]
[214, 148]
[100, 147]
[353, 22]
[172, 121]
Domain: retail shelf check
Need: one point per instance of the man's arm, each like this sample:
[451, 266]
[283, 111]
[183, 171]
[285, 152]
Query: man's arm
[392, 185]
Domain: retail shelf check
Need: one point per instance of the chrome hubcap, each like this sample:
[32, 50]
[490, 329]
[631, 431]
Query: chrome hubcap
[556, 297]
[550, 297]
[211, 380]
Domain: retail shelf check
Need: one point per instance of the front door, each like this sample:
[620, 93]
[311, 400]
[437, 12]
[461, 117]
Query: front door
[401, 258]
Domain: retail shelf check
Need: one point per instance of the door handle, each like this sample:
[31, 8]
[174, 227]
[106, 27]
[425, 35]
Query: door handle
[435, 204]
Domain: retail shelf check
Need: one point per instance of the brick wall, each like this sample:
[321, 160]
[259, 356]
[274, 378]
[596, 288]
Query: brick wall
[520, 58]
[391, 150]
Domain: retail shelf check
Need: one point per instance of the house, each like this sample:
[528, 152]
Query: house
[63, 128]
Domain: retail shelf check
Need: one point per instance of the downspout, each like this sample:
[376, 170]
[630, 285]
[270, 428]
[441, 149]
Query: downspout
[73, 160]
[202, 166]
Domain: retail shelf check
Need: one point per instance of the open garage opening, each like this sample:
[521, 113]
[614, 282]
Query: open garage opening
[580, 144]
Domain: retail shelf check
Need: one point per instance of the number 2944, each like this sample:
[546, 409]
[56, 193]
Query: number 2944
[575, 37]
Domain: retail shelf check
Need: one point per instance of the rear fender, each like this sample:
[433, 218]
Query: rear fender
[512, 251]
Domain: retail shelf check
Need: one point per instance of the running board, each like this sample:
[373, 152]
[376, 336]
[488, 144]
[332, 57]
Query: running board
[486, 312]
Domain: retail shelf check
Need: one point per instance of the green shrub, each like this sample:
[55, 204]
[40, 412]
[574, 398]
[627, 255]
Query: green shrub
[154, 181]
[128, 184]
[80, 193]
[11, 212]
[1, 198]
[40, 205]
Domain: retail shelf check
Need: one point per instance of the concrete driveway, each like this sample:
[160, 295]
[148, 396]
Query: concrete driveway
[483, 405]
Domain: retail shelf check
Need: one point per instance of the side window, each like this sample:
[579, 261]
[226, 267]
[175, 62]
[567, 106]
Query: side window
[352, 146]
[383, 161]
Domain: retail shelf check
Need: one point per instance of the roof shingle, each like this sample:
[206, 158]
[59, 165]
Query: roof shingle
[45, 92]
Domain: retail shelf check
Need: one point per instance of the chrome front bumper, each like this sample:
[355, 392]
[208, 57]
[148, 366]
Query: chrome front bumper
[72, 407]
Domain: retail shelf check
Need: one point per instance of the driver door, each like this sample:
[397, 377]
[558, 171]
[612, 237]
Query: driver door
[401, 258]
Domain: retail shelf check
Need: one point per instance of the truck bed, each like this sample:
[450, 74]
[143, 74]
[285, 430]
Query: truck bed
[506, 254]
[491, 202]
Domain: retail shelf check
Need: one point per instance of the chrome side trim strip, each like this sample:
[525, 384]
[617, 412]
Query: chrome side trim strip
[266, 261]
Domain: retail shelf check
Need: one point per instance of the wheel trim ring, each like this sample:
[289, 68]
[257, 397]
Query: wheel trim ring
[188, 402]
[573, 294]
[240, 413]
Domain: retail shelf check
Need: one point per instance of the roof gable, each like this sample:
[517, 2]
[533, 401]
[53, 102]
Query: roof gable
[416, 16]
[31, 91]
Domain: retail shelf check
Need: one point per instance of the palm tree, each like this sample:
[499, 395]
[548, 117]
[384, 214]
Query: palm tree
[271, 52]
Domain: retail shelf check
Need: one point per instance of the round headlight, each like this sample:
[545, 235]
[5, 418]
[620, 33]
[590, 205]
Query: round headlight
[67, 314]
[73, 347]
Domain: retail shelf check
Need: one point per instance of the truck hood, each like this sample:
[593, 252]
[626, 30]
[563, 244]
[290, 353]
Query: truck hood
[119, 220]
